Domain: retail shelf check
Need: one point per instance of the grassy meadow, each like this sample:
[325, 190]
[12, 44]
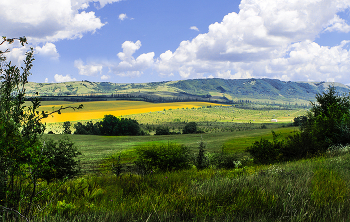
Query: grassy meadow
[314, 189]
[97, 148]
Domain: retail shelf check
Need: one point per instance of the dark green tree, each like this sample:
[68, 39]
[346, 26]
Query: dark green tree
[201, 162]
[66, 128]
[190, 127]
[329, 120]
[326, 124]
[162, 130]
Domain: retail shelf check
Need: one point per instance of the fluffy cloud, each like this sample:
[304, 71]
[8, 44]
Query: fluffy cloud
[309, 61]
[262, 40]
[129, 66]
[48, 50]
[122, 17]
[61, 78]
[49, 21]
[87, 70]
[338, 24]
[194, 28]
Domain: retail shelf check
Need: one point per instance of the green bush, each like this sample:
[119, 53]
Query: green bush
[61, 160]
[162, 157]
[326, 124]
[225, 161]
[265, 152]
[190, 127]
[162, 130]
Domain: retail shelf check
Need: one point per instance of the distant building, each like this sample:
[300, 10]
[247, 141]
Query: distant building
[274, 120]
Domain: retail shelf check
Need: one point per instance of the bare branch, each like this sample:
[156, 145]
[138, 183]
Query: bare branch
[59, 110]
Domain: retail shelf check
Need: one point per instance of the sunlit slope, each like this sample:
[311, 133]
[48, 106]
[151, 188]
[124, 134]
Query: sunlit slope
[97, 110]
[222, 90]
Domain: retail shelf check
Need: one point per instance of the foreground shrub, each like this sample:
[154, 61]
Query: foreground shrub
[326, 124]
[162, 157]
[61, 159]
[265, 152]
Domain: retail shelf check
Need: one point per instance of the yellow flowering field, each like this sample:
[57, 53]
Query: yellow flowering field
[97, 110]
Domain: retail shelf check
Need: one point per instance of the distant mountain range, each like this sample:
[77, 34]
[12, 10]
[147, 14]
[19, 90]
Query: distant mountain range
[215, 89]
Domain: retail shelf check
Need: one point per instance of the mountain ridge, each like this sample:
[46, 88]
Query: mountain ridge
[217, 89]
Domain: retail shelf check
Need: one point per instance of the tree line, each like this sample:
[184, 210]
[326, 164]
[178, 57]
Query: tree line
[109, 126]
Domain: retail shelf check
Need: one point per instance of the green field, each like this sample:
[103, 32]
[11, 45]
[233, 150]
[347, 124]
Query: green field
[228, 126]
[210, 118]
[290, 191]
[96, 148]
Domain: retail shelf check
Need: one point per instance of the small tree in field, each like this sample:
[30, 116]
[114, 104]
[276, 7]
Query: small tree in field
[190, 127]
[22, 155]
[66, 128]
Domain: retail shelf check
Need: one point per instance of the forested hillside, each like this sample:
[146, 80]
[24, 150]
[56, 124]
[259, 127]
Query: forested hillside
[219, 90]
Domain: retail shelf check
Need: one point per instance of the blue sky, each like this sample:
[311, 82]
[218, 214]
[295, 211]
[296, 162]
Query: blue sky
[126, 41]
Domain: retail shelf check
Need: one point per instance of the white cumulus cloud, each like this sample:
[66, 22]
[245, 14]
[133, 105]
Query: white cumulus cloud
[61, 78]
[88, 70]
[129, 66]
[49, 21]
[261, 40]
[48, 50]
[338, 24]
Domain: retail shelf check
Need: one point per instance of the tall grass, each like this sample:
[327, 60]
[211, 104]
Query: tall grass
[307, 190]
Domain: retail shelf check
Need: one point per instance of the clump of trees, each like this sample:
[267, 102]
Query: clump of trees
[162, 130]
[326, 124]
[110, 126]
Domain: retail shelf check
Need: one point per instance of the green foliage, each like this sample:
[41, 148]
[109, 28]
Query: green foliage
[265, 152]
[66, 128]
[224, 159]
[190, 127]
[88, 129]
[201, 161]
[300, 121]
[116, 166]
[110, 126]
[22, 159]
[61, 160]
[113, 126]
[326, 124]
[162, 130]
[162, 157]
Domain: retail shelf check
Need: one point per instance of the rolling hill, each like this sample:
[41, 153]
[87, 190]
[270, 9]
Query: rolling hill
[216, 90]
